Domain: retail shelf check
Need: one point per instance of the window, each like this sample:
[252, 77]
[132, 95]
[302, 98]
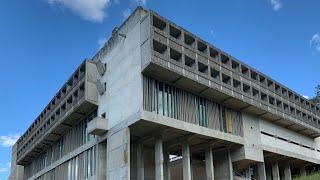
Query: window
[73, 169]
[90, 162]
[202, 112]
[61, 147]
[166, 105]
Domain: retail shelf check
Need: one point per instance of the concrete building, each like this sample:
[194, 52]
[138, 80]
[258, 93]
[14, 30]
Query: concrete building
[158, 102]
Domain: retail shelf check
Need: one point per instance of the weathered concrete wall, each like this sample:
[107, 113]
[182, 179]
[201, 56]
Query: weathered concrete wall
[16, 172]
[123, 77]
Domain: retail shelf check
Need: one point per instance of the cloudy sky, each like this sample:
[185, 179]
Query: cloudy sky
[43, 41]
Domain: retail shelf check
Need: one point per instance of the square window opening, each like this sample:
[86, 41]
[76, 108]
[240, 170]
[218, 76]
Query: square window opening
[174, 32]
[213, 53]
[189, 61]
[189, 40]
[159, 47]
[226, 79]
[215, 74]
[202, 67]
[175, 55]
[202, 47]
[158, 23]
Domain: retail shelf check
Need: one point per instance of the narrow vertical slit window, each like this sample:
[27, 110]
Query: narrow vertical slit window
[203, 120]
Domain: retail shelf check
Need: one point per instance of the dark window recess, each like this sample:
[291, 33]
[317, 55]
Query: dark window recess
[264, 97]
[158, 23]
[189, 40]
[174, 32]
[244, 70]
[292, 110]
[262, 79]
[189, 61]
[202, 46]
[270, 84]
[279, 104]
[277, 88]
[225, 59]
[235, 65]
[213, 53]
[159, 47]
[175, 55]
[271, 100]
[236, 84]
[255, 93]
[246, 88]
[284, 92]
[254, 75]
[226, 79]
[215, 74]
[285, 107]
[202, 67]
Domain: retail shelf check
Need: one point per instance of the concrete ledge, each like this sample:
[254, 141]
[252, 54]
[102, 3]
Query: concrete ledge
[181, 125]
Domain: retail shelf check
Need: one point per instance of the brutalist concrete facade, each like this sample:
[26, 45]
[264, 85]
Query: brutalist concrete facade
[157, 102]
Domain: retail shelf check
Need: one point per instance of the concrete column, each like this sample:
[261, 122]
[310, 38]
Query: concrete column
[287, 171]
[230, 165]
[209, 164]
[101, 160]
[159, 159]
[275, 171]
[140, 162]
[223, 169]
[186, 165]
[166, 166]
[118, 154]
[303, 171]
[261, 171]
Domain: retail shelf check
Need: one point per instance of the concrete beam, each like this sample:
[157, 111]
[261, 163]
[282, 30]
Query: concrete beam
[186, 165]
[159, 159]
[209, 164]
[275, 171]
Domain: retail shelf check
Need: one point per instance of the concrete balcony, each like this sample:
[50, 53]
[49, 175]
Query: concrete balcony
[180, 58]
[77, 98]
[98, 126]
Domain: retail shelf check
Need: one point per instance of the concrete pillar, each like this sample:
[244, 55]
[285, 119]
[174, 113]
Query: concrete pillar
[261, 170]
[101, 160]
[140, 162]
[118, 154]
[303, 171]
[287, 171]
[166, 166]
[275, 171]
[186, 165]
[223, 169]
[209, 164]
[159, 159]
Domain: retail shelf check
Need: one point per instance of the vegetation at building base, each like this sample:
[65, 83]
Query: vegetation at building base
[316, 99]
[315, 176]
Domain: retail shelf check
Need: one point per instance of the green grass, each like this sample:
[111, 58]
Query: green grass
[315, 176]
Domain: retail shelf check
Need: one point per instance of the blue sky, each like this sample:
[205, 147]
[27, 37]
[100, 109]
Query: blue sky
[43, 41]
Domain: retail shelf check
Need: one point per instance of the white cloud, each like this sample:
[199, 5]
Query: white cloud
[92, 10]
[315, 42]
[126, 13]
[141, 2]
[212, 33]
[276, 4]
[305, 96]
[8, 140]
[5, 167]
[101, 42]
